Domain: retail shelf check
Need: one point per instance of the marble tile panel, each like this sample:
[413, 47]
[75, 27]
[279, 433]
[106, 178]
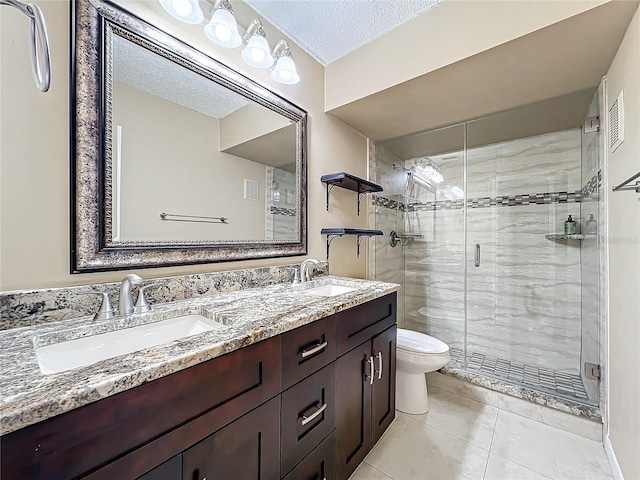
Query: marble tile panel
[481, 171]
[465, 418]
[548, 450]
[534, 158]
[367, 472]
[564, 421]
[499, 468]
[462, 387]
[414, 450]
[449, 330]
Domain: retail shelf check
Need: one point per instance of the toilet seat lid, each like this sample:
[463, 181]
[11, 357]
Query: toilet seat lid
[417, 342]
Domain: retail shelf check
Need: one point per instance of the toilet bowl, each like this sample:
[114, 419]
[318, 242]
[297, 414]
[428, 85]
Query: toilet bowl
[416, 355]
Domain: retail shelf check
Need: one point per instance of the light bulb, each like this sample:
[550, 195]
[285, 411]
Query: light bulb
[437, 177]
[223, 29]
[187, 11]
[285, 71]
[257, 53]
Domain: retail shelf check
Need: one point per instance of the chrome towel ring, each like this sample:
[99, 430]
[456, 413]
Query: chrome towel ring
[40, 58]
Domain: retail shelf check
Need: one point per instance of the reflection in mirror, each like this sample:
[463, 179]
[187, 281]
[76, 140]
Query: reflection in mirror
[190, 161]
[188, 147]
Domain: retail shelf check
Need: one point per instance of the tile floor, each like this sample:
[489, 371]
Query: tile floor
[461, 438]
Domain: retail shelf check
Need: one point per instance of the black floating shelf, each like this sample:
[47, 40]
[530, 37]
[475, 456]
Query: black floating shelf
[361, 233]
[349, 182]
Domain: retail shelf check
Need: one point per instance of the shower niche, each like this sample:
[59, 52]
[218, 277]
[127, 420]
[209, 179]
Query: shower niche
[472, 205]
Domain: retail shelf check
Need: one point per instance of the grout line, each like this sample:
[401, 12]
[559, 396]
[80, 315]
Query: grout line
[459, 395]
[523, 466]
[378, 470]
[548, 425]
[444, 431]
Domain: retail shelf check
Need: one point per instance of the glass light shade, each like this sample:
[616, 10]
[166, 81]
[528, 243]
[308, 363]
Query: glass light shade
[187, 11]
[437, 177]
[285, 71]
[429, 171]
[457, 191]
[223, 29]
[257, 52]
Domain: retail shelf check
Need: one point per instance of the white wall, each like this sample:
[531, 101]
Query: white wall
[34, 156]
[623, 215]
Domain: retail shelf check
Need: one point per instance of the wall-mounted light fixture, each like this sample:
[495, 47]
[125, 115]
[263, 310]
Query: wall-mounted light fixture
[430, 170]
[223, 30]
[187, 11]
[257, 52]
[285, 69]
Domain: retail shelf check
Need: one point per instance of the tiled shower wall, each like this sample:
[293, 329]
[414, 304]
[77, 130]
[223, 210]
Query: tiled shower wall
[524, 301]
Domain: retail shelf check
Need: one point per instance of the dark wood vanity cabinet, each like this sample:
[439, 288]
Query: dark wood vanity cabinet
[286, 407]
[365, 383]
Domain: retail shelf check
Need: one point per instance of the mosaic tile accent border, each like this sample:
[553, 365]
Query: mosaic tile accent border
[502, 201]
[287, 212]
[379, 201]
[561, 383]
[586, 193]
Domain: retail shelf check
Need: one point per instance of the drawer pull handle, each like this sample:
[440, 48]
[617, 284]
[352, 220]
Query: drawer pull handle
[314, 415]
[314, 350]
[379, 372]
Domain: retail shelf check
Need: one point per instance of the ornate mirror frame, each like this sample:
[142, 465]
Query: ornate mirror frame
[94, 21]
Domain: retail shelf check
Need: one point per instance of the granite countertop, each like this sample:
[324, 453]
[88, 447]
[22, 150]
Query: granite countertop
[251, 315]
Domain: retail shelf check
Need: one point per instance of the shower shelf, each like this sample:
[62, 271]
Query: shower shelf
[332, 233]
[349, 182]
[562, 236]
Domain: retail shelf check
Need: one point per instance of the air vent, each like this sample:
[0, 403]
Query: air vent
[251, 189]
[616, 123]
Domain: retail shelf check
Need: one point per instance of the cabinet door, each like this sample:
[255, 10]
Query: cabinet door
[353, 392]
[383, 397]
[169, 470]
[320, 464]
[248, 448]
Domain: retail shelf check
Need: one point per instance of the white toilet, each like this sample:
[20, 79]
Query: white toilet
[417, 354]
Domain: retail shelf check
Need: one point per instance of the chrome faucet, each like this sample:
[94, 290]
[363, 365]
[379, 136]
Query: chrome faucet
[125, 300]
[304, 268]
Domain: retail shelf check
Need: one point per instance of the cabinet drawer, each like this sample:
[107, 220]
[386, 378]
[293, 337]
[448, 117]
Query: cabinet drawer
[361, 323]
[308, 415]
[320, 464]
[308, 349]
[148, 424]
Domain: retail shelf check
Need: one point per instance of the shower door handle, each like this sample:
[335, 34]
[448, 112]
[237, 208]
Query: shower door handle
[477, 255]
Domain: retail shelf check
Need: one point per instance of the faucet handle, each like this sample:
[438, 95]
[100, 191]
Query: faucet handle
[106, 311]
[142, 304]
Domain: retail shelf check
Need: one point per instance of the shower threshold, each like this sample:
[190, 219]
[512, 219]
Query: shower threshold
[562, 384]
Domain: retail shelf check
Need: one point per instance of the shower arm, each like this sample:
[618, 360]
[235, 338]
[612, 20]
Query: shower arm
[40, 55]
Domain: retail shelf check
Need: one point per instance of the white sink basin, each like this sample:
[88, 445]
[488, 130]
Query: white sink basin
[80, 352]
[329, 290]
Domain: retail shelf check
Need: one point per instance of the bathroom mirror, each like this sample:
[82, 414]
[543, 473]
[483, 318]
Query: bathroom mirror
[177, 159]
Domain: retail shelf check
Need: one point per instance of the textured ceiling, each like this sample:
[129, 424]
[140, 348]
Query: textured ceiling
[151, 73]
[330, 29]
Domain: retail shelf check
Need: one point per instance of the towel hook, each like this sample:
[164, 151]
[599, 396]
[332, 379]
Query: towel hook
[40, 58]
